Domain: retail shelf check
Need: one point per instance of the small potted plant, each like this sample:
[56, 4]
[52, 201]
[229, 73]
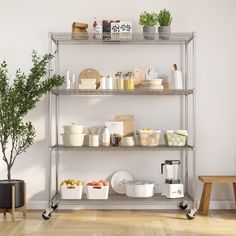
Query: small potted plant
[164, 19]
[17, 98]
[149, 22]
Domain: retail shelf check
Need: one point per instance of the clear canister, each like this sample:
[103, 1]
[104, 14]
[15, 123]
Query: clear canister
[130, 81]
[119, 81]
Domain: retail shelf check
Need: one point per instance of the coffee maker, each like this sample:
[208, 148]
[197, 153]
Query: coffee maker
[172, 188]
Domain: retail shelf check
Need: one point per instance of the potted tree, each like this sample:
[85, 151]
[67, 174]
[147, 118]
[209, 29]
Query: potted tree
[148, 21]
[164, 19]
[17, 98]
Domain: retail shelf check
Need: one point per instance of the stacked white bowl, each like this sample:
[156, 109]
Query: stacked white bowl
[73, 135]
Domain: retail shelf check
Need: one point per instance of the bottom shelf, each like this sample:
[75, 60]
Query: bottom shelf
[123, 200]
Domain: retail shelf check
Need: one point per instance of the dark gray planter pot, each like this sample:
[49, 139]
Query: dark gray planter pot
[164, 32]
[6, 193]
[149, 32]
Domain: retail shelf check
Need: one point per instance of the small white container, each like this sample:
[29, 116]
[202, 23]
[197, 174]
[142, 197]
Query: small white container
[73, 129]
[72, 192]
[128, 141]
[140, 189]
[68, 79]
[106, 137]
[93, 192]
[93, 140]
[75, 140]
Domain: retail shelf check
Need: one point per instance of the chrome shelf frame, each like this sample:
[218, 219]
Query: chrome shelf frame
[184, 40]
[122, 148]
[135, 38]
[103, 92]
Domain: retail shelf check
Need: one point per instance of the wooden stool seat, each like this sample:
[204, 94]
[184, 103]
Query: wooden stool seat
[206, 192]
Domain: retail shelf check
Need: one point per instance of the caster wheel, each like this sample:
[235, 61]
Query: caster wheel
[191, 214]
[54, 207]
[183, 206]
[46, 216]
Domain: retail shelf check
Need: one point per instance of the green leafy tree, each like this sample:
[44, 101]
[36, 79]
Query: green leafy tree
[16, 100]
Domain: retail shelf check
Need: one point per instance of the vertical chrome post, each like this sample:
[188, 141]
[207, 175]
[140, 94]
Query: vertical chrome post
[186, 117]
[194, 121]
[57, 71]
[49, 123]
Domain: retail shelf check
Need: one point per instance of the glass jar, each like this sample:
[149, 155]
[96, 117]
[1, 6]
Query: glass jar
[130, 81]
[119, 81]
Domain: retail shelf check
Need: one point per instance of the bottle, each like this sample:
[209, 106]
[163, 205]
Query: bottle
[94, 27]
[103, 82]
[109, 82]
[72, 84]
[67, 79]
[106, 137]
[130, 81]
[98, 31]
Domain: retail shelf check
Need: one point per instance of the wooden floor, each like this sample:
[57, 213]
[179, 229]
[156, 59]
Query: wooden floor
[119, 223]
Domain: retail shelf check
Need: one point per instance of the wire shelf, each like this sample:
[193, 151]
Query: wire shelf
[121, 199]
[122, 92]
[121, 148]
[66, 38]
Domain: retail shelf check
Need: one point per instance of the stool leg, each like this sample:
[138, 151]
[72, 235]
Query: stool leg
[4, 215]
[234, 187]
[24, 210]
[205, 199]
[13, 204]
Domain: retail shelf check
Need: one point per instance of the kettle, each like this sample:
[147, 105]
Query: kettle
[171, 170]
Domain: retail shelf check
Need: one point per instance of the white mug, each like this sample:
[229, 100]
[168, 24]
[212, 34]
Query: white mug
[93, 140]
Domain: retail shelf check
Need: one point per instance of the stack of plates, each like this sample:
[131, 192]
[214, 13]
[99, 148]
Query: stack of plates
[152, 84]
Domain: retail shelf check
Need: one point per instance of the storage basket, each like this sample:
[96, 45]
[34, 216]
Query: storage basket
[149, 137]
[71, 192]
[93, 192]
[176, 138]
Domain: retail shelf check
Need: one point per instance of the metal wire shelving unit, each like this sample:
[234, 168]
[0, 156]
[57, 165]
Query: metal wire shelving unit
[184, 40]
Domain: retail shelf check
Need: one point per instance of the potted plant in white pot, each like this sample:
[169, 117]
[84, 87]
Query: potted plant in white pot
[164, 19]
[17, 98]
[149, 22]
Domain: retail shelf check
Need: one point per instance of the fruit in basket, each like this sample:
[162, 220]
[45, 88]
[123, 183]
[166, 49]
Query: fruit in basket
[100, 183]
[71, 183]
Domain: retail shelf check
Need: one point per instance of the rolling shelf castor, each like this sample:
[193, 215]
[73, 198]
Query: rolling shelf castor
[54, 206]
[191, 214]
[47, 214]
[183, 205]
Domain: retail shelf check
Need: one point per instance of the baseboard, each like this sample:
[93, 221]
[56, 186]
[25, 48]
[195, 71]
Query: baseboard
[213, 205]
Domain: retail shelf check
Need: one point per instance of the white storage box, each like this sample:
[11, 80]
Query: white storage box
[149, 137]
[71, 192]
[93, 192]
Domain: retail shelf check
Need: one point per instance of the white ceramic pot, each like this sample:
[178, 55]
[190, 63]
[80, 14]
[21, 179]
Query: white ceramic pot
[76, 140]
[73, 129]
[140, 189]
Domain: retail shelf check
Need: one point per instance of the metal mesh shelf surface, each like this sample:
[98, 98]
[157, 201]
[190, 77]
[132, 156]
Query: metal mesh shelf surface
[66, 38]
[122, 92]
[118, 199]
[121, 148]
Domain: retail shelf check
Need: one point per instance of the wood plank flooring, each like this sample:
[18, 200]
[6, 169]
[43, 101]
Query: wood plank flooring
[119, 223]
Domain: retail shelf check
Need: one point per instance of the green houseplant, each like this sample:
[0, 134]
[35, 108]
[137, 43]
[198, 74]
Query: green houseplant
[164, 19]
[17, 98]
[149, 22]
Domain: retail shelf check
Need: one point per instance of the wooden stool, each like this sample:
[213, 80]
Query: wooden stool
[206, 192]
[12, 210]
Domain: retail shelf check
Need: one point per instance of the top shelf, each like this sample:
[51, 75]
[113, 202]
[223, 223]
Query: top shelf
[136, 38]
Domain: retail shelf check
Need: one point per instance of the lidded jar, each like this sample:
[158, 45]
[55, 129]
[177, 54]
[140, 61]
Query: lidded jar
[119, 81]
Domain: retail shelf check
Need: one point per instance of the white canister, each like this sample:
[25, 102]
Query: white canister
[103, 83]
[67, 79]
[177, 79]
[93, 140]
[109, 82]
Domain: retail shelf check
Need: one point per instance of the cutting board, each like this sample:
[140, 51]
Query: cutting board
[128, 124]
[140, 75]
[90, 74]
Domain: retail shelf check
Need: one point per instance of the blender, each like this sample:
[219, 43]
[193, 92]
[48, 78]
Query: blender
[172, 188]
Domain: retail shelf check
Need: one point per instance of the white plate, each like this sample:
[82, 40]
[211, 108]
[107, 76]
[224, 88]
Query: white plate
[119, 179]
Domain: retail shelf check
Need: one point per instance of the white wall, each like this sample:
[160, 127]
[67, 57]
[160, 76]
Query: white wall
[25, 25]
